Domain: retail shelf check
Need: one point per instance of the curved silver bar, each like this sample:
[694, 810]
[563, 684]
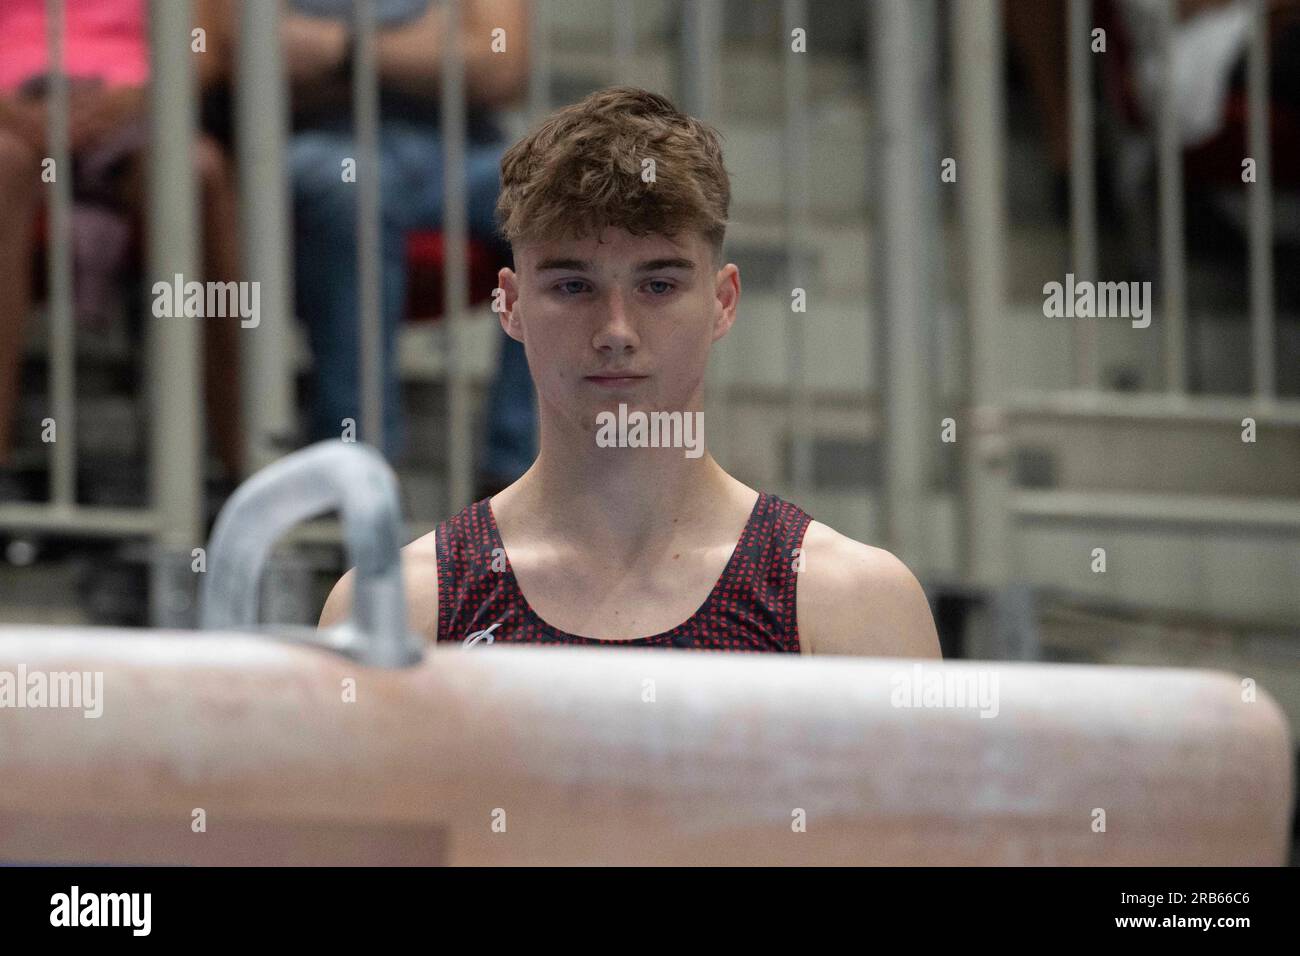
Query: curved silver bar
[331, 474]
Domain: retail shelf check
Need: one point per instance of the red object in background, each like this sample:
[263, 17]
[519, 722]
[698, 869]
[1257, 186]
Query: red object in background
[425, 259]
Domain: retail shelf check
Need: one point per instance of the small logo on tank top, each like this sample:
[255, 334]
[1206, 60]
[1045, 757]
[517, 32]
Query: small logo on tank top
[481, 637]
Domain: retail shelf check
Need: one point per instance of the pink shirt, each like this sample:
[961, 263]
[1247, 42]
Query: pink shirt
[104, 38]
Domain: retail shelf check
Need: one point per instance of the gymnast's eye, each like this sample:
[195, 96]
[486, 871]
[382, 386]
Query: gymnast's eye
[662, 282]
[561, 286]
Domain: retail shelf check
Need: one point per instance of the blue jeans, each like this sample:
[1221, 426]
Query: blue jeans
[411, 197]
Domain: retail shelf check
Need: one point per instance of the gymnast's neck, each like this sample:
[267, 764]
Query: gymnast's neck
[605, 501]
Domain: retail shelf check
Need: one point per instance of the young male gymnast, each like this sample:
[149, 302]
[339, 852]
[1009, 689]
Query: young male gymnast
[615, 209]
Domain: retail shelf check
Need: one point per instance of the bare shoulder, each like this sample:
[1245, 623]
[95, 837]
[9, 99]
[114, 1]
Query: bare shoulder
[857, 599]
[420, 582]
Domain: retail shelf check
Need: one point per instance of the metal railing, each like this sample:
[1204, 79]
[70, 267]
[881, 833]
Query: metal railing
[907, 124]
[266, 239]
[173, 519]
[981, 133]
[1174, 403]
[992, 511]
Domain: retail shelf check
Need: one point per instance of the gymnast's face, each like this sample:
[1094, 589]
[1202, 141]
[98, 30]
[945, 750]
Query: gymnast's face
[623, 319]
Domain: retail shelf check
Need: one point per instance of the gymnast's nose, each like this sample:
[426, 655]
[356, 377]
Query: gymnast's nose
[617, 332]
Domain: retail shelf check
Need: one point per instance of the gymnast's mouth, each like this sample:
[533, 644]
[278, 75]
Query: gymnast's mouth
[614, 380]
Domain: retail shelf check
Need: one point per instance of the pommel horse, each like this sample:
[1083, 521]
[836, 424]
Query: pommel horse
[222, 746]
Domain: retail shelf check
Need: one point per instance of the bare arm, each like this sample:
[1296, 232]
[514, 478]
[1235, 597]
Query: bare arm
[24, 119]
[215, 17]
[859, 600]
[339, 603]
[410, 56]
[419, 580]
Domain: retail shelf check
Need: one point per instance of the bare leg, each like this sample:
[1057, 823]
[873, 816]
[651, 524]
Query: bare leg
[221, 335]
[19, 192]
[1037, 31]
[220, 264]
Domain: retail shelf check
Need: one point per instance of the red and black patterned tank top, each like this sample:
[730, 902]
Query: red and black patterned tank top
[751, 607]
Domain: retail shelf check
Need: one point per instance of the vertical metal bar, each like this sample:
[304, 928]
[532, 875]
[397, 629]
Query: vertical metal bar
[1262, 309]
[1173, 266]
[262, 117]
[174, 369]
[1015, 624]
[624, 39]
[700, 54]
[539, 60]
[63, 382]
[976, 38]
[456, 285]
[907, 182]
[365, 105]
[701, 37]
[798, 136]
[1083, 185]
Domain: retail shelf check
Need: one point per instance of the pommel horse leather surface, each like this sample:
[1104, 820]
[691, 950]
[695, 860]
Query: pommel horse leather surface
[571, 755]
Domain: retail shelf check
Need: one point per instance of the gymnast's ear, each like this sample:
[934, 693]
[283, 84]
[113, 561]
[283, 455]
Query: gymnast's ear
[506, 303]
[338, 606]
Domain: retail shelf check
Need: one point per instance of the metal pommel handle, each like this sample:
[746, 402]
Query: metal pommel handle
[356, 480]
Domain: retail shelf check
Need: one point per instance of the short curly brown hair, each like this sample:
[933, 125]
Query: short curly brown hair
[580, 171]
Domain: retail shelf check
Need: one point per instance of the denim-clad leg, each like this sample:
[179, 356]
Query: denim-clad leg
[411, 198]
[511, 444]
[511, 417]
[327, 282]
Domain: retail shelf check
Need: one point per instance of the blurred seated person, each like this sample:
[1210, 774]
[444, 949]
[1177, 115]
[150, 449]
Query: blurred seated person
[318, 41]
[106, 58]
[1209, 44]
[1209, 40]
